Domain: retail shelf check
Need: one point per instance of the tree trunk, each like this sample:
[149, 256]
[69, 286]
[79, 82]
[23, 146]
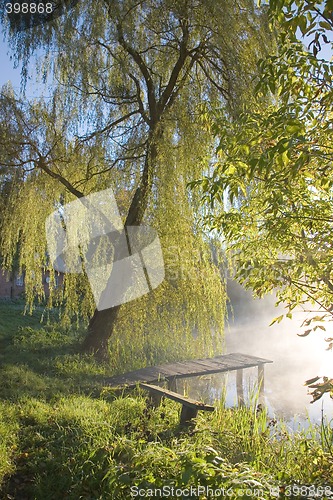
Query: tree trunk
[102, 323]
[100, 330]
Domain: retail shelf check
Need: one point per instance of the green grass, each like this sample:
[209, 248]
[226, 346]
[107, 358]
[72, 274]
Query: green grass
[64, 435]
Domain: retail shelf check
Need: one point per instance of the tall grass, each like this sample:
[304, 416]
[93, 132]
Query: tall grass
[64, 435]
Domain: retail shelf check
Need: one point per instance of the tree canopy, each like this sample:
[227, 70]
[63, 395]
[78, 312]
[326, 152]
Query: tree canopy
[127, 85]
[272, 183]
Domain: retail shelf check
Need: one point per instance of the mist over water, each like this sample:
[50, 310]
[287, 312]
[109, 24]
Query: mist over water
[295, 359]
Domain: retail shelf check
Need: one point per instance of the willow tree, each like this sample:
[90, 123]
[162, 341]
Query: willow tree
[127, 85]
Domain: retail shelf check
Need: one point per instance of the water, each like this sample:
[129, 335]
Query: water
[295, 359]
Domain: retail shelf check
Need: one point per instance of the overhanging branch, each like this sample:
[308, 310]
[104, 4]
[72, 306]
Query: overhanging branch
[41, 163]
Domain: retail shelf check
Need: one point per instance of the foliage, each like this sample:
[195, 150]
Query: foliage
[72, 437]
[272, 183]
[312, 19]
[126, 82]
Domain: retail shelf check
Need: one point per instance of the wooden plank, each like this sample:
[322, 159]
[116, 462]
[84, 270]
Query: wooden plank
[172, 371]
[207, 365]
[248, 358]
[241, 358]
[195, 370]
[226, 359]
[215, 365]
[233, 360]
[181, 367]
[203, 365]
[131, 378]
[176, 365]
[191, 403]
[191, 368]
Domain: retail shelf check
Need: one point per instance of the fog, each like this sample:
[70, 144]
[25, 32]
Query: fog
[295, 359]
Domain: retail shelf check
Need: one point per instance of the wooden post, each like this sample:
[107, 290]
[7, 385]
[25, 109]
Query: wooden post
[187, 414]
[155, 399]
[261, 382]
[172, 384]
[239, 386]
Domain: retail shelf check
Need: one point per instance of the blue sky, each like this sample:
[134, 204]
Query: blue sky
[9, 73]
[6, 65]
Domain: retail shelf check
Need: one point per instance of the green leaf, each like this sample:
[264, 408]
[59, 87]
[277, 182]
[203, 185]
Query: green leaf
[278, 319]
[302, 24]
[325, 25]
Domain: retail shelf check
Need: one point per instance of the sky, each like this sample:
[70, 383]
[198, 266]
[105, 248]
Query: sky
[9, 73]
[6, 65]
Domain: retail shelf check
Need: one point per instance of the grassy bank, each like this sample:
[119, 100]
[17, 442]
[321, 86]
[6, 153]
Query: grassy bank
[64, 435]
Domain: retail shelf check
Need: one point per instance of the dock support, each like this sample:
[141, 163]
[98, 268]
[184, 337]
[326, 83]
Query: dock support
[187, 413]
[172, 384]
[155, 399]
[239, 386]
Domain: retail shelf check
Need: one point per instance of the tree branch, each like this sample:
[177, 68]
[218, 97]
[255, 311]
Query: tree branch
[183, 53]
[41, 163]
[139, 100]
[109, 126]
[145, 73]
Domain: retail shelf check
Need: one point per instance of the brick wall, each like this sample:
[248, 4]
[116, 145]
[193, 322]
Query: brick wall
[10, 288]
[12, 285]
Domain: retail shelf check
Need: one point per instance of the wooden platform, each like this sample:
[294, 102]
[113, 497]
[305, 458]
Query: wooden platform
[194, 368]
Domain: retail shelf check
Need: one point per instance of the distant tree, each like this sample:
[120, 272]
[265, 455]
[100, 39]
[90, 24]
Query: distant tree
[129, 81]
[272, 186]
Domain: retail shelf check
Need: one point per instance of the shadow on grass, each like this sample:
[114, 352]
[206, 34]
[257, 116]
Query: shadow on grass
[82, 447]
[41, 360]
